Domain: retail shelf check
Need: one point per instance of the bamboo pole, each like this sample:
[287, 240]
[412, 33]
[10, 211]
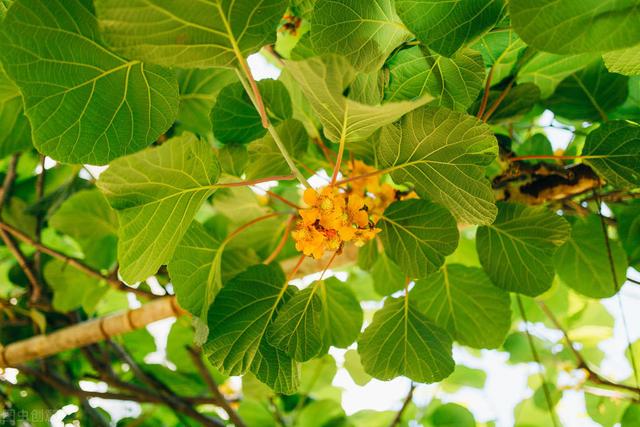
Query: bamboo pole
[88, 332]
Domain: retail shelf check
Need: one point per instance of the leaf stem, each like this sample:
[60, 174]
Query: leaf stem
[243, 227]
[534, 352]
[407, 400]
[485, 95]
[497, 102]
[282, 242]
[254, 181]
[328, 265]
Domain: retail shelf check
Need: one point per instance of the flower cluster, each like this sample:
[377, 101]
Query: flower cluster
[339, 214]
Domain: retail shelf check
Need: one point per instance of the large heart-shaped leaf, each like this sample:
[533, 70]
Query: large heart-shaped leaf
[85, 103]
[447, 26]
[463, 301]
[583, 261]
[418, 235]
[613, 150]
[184, 33]
[157, 192]
[443, 153]
[516, 251]
[576, 26]
[365, 31]
[324, 80]
[241, 314]
[547, 70]
[401, 341]
[623, 61]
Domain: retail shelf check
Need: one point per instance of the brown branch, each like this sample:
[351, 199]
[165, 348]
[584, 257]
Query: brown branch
[196, 356]
[407, 400]
[592, 375]
[75, 263]
[168, 397]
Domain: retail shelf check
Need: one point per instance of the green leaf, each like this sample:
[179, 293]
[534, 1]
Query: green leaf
[576, 26]
[446, 27]
[236, 120]
[631, 416]
[298, 329]
[455, 81]
[182, 33]
[157, 193]
[583, 262]
[89, 220]
[540, 396]
[387, 275]
[256, 413]
[73, 289]
[517, 250]
[547, 70]
[274, 368]
[15, 133]
[323, 314]
[604, 410]
[464, 376]
[624, 61]
[417, 235]
[500, 50]
[452, 415]
[463, 301]
[364, 31]
[199, 267]
[199, 89]
[343, 314]
[323, 80]
[613, 150]
[589, 93]
[240, 316]
[443, 153]
[233, 159]
[353, 365]
[518, 102]
[628, 219]
[265, 159]
[321, 413]
[401, 341]
[85, 103]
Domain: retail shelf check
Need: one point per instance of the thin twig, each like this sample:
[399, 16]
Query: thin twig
[75, 263]
[173, 401]
[407, 400]
[283, 241]
[37, 256]
[36, 287]
[592, 375]
[616, 285]
[485, 95]
[534, 352]
[196, 356]
[497, 102]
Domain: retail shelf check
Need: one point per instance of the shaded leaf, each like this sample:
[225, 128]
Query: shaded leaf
[547, 70]
[401, 341]
[583, 262]
[417, 235]
[15, 132]
[463, 301]
[613, 150]
[73, 289]
[517, 250]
